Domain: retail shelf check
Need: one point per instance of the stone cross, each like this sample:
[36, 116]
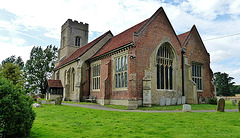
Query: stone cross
[221, 105]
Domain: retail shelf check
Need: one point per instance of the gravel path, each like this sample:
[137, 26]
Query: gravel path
[99, 107]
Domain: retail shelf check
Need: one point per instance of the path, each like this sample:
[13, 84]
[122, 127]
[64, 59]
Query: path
[99, 107]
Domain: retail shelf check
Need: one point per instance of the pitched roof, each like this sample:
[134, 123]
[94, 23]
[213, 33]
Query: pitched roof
[119, 40]
[54, 83]
[182, 37]
[82, 50]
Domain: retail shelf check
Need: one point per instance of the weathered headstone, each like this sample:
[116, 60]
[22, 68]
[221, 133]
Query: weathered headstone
[58, 101]
[206, 100]
[179, 101]
[183, 99]
[200, 100]
[234, 102]
[186, 108]
[168, 101]
[221, 105]
[239, 106]
[174, 101]
[163, 101]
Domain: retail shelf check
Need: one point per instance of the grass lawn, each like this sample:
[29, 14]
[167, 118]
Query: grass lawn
[68, 121]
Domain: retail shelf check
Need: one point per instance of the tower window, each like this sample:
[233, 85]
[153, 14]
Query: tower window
[77, 41]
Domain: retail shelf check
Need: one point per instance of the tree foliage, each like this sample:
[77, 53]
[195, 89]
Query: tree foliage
[39, 68]
[16, 114]
[12, 72]
[224, 84]
[14, 60]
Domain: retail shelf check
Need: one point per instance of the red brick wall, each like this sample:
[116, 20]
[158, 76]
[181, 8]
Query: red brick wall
[196, 52]
[148, 41]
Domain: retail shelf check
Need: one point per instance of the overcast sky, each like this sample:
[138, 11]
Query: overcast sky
[26, 23]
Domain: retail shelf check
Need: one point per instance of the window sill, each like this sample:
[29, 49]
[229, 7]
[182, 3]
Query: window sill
[120, 89]
[200, 91]
[164, 90]
[96, 90]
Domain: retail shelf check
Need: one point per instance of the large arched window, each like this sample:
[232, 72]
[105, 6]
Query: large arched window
[77, 41]
[165, 67]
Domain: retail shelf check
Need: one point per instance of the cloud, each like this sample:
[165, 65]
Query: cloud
[213, 19]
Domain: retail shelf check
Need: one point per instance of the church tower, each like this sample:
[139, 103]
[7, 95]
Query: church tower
[73, 36]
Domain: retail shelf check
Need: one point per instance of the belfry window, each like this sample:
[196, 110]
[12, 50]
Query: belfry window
[165, 67]
[77, 41]
[197, 75]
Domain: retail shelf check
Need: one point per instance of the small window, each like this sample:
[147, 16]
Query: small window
[197, 75]
[77, 41]
[96, 69]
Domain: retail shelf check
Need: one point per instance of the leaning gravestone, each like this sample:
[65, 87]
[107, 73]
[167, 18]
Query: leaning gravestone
[168, 101]
[221, 105]
[163, 101]
[58, 101]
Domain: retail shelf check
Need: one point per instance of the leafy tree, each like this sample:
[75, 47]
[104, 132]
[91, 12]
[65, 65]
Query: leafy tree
[14, 60]
[12, 72]
[39, 68]
[223, 84]
[16, 114]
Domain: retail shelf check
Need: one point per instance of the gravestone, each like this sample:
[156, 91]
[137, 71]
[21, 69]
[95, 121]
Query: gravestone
[186, 108]
[200, 100]
[206, 100]
[234, 102]
[58, 101]
[179, 101]
[221, 105]
[36, 105]
[163, 101]
[239, 106]
[183, 99]
[174, 101]
[168, 101]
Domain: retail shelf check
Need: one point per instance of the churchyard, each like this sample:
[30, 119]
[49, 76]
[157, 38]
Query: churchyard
[68, 121]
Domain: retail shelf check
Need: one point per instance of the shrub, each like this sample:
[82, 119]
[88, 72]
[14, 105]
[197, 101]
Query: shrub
[213, 101]
[16, 114]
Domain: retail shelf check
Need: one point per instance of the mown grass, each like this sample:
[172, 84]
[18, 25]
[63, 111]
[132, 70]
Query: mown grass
[67, 121]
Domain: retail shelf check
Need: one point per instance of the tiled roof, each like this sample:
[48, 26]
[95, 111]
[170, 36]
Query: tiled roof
[54, 83]
[119, 40]
[182, 37]
[82, 50]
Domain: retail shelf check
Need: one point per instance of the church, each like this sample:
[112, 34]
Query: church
[147, 64]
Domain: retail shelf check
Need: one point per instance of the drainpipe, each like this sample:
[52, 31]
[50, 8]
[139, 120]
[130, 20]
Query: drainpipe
[182, 52]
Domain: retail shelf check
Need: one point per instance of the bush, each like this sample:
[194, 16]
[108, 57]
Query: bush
[16, 114]
[213, 101]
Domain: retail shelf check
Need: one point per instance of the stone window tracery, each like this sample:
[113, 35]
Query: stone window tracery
[165, 67]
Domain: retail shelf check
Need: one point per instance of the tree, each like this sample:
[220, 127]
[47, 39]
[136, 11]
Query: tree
[12, 72]
[16, 114]
[223, 84]
[14, 60]
[39, 68]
